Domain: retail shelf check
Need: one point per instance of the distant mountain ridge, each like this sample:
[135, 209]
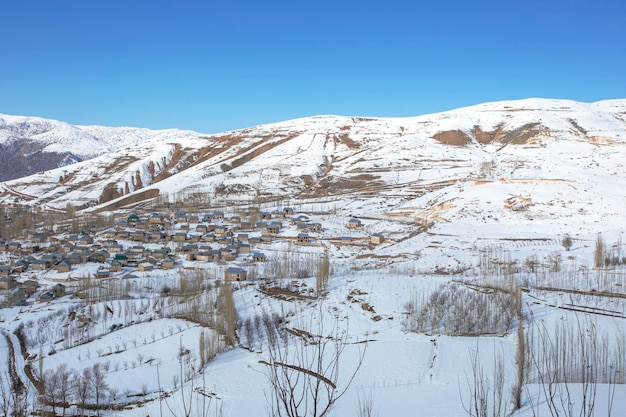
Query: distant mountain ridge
[315, 157]
[33, 144]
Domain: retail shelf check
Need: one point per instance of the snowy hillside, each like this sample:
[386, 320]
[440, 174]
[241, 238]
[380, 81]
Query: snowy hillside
[448, 260]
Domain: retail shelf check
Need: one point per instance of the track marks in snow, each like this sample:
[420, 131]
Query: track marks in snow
[433, 359]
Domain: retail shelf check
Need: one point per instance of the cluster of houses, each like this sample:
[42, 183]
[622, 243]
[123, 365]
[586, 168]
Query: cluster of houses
[151, 241]
[18, 292]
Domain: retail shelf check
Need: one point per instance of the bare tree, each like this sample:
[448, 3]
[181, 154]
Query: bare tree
[323, 273]
[486, 395]
[99, 386]
[82, 389]
[303, 369]
[567, 242]
[5, 388]
[599, 252]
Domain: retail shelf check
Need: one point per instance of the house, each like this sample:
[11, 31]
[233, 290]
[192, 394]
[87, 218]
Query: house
[266, 215]
[30, 286]
[156, 218]
[107, 243]
[273, 228]
[243, 248]
[179, 237]
[245, 226]
[288, 211]
[138, 249]
[132, 219]
[123, 234]
[278, 214]
[267, 237]
[103, 273]
[209, 237]
[258, 257]
[63, 266]
[217, 216]
[203, 256]
[145, 266]
[299, 219]
[229, 257]
[122, 258]
[73, 237]
[194, 238]
[58, 290]
[41, 264]
[180, 217]
[21, 266]
[235, 274]
[7, 283]
[202, 228]
[115, 266]
[76, 258]
[377, 238]
[354, 223]
[168, 263]
[67, 247]
[138, 236]
[315, 227]
[85, 240]
[117, 248]
[159, 253]
[37, 238]
[17, 294]
[14, 246]
[220, 230]
[303, 238]
[98, 256]
[5, 270]
[226, 250]
[188, 248]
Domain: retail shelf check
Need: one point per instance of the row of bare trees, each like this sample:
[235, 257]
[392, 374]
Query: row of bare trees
[62, 388]
[15, 398]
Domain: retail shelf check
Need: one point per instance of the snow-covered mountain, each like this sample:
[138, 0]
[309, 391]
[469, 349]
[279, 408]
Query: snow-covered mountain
[398, 159]
[34, 144]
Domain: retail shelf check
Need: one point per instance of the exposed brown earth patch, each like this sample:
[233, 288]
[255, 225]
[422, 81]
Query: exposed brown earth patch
[333, 185]
[520, 136]
[453, 137]
[344, 139]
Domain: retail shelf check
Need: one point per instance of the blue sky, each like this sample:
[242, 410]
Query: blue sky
[217, 65]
